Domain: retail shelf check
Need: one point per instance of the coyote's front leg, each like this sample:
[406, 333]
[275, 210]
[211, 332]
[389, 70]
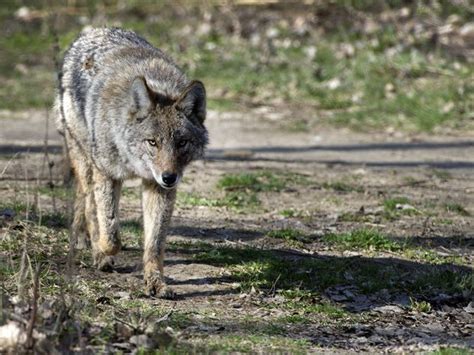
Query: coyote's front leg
[158, 206]
[106, 241]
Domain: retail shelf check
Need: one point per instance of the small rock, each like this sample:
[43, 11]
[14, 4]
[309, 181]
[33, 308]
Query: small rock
[338, 298]
[360, 171]
[349, 294]
[404, 12]
[467, 31]
[11, 335]
[361, 340]
[404, 207]
[333, 84]
[389, 309]
[272, 32]
[22, 69]
[122, 295]
[469, 308]
[402, 300]
[310, 52]
[23, 14]
[376, 339]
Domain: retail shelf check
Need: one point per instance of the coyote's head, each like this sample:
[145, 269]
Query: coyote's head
[165, 133]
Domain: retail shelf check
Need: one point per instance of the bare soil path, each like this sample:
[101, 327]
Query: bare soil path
[345, 182]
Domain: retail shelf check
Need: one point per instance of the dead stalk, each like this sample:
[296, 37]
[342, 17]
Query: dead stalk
[34, 308]
[27, 190]
[47, 160]
[8, 164]
[22, 273]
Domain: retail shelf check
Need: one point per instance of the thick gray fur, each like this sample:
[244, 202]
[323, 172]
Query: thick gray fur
[126, 110]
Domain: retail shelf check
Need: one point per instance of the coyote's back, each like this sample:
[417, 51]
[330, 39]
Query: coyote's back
[127, 110]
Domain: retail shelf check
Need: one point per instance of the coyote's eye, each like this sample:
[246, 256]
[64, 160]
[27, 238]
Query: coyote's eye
[182, 143]
[151, 142]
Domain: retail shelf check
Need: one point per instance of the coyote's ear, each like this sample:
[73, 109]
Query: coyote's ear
[193, 101]
[141, 99]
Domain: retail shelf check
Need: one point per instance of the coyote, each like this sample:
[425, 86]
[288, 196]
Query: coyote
[126, 110]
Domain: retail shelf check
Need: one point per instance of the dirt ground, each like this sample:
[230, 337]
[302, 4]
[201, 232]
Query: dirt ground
[345, 179]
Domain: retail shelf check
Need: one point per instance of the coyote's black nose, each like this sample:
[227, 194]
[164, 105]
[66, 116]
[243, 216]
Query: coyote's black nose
[169, 178]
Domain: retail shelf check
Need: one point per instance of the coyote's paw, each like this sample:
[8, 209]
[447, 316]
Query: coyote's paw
[109, 246]
[156, 287]
[103, 262]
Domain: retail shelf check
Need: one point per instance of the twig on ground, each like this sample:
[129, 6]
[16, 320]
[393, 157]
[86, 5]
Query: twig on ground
[27, 190]
[426, 226]
[166, 316]
[47, 160]
[273, 288]
[22, 273]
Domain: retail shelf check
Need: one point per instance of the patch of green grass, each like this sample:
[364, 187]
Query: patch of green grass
[53, 220]
[430, 256]
[451, 351]
[396, 206]
[286, 234]
[420, 306]
[265, 270]
[15, 206]
[190, 199]
[341, 186]
[44, 246]
[131, 192]
[425, 102]
[445, 221]
[390, 204]
[241, 189]
[457, 208]
[448, 280]
[290, 213]
[293, 237]
[303, 302]
[60, 192]
[131, 231]
[240, 200]
[366, 239]
[223, 256]
[132, 226]
[428, 91]
[230, 343]
[237, 200]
